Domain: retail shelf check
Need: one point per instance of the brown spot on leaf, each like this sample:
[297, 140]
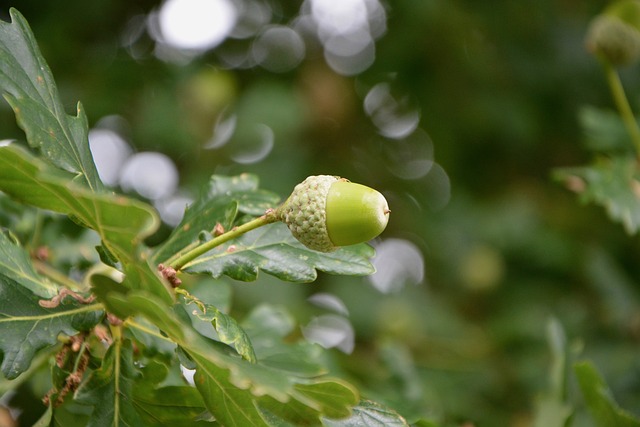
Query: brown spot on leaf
[218, 230]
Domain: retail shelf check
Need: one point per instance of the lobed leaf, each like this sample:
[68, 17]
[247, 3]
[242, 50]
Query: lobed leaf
[109, 389]
[369, 414]
[613, 183]
[26, 327]
[232, 387]
[29, 87]
[121, 222]
[275, 251]
[599, 399]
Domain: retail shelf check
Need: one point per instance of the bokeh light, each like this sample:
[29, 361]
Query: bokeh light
[110, 151]
[394, 118]
[329, 302]
[150, 174]
[411, 157]
[171, 208]
[344, 55]
[330, 331]
[196, 24]
[278, 49]
[343, 17]
[253, 16]
[398, 263]
[254, 149]
[435, 188]
[223, 130]
[347, 30]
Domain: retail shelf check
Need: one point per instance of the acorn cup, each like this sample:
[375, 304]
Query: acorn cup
[325, 212]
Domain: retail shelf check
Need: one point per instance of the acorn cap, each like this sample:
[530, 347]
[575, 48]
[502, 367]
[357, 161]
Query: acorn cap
[325, 212]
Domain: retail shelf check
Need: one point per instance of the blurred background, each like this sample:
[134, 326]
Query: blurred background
[458, 111]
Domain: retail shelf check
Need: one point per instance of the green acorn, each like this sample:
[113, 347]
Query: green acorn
[325, 212]
[615, 33]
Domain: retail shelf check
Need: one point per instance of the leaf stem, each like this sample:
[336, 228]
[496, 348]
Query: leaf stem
[622, 103]
[269, 217]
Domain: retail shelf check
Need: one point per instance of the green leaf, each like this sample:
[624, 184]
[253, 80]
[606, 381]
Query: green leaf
[226, 378]
[230, 405]
[121, 222]
[29, 87]
[26, 327]
[199, 218]
[613, 183]
[599, 399]
[369, 414]
[169, 405]
[15, 264]
[212, 378]
[219, 202]
[149, 337]
[245, 190]
[109, 389]
[293, 413]
[275, 251]
[331, 397]
[230, 332]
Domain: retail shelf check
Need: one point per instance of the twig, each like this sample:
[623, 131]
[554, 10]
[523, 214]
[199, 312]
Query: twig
[622, 103]
[268, 218]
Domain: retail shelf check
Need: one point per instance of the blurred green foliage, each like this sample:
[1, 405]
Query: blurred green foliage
[501, 88]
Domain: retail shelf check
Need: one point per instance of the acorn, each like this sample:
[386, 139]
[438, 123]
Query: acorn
[615, 33]
[325, 212]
